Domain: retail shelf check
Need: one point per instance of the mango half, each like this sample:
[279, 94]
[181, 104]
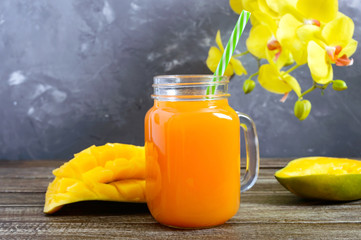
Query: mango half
[325, 178]
[112, 172]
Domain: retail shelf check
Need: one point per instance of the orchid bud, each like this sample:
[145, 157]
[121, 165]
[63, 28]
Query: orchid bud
[302, 109]
[339, 85]
[248, 86]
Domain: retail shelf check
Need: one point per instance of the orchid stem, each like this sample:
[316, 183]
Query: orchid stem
[314, 86]
[253, 75]
[241, 54]
[292, 68]
[308, 91]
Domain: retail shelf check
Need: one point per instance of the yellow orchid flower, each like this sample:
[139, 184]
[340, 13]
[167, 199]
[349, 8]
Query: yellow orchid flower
[279, 6]
[263, 44]
[239, 5]
[276, 81]
[324, 11]
[269, 7]
[310, 32]
[262, 41]
[310, 11]
[215, 55]
[263, 18]
[336, 48]
[294, 35]
[320, 67]
[258, 40]
[302, 23]
[256, 7]
[338, 34]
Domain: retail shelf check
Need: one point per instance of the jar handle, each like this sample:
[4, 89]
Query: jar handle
[252, 150]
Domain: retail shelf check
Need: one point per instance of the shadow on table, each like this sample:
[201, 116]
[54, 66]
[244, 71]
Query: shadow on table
[125, 216]
[102, 208]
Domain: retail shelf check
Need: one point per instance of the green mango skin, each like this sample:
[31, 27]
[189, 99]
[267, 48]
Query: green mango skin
[344, 187]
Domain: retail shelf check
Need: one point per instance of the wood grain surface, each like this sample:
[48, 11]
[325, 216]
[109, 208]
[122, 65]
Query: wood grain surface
[267, 211]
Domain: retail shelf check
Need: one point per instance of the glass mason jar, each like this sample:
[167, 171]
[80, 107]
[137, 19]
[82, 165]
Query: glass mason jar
[192, 144]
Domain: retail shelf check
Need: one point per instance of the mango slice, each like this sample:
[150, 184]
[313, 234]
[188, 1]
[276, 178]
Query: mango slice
[112, 172]
[325, 178]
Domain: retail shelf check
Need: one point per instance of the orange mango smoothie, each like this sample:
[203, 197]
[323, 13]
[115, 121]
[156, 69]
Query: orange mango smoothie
[192, 162]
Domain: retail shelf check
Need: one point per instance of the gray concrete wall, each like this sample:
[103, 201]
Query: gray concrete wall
[79, 72]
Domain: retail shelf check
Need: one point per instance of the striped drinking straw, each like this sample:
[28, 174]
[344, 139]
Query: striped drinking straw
[231, 45]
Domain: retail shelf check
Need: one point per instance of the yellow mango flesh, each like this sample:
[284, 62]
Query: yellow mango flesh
[333, 179]
[112, 172]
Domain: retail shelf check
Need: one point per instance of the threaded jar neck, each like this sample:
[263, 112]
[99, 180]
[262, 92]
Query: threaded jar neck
[190, 87]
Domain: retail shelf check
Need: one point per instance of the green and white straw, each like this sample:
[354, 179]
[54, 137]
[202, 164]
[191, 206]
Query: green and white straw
[231, 45]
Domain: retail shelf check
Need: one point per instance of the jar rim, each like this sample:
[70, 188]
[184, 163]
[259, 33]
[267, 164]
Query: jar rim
[190, 87]
[189, 76]
[179, 79]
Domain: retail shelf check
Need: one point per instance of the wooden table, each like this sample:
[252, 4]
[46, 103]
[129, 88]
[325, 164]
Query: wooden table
[267, 211]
